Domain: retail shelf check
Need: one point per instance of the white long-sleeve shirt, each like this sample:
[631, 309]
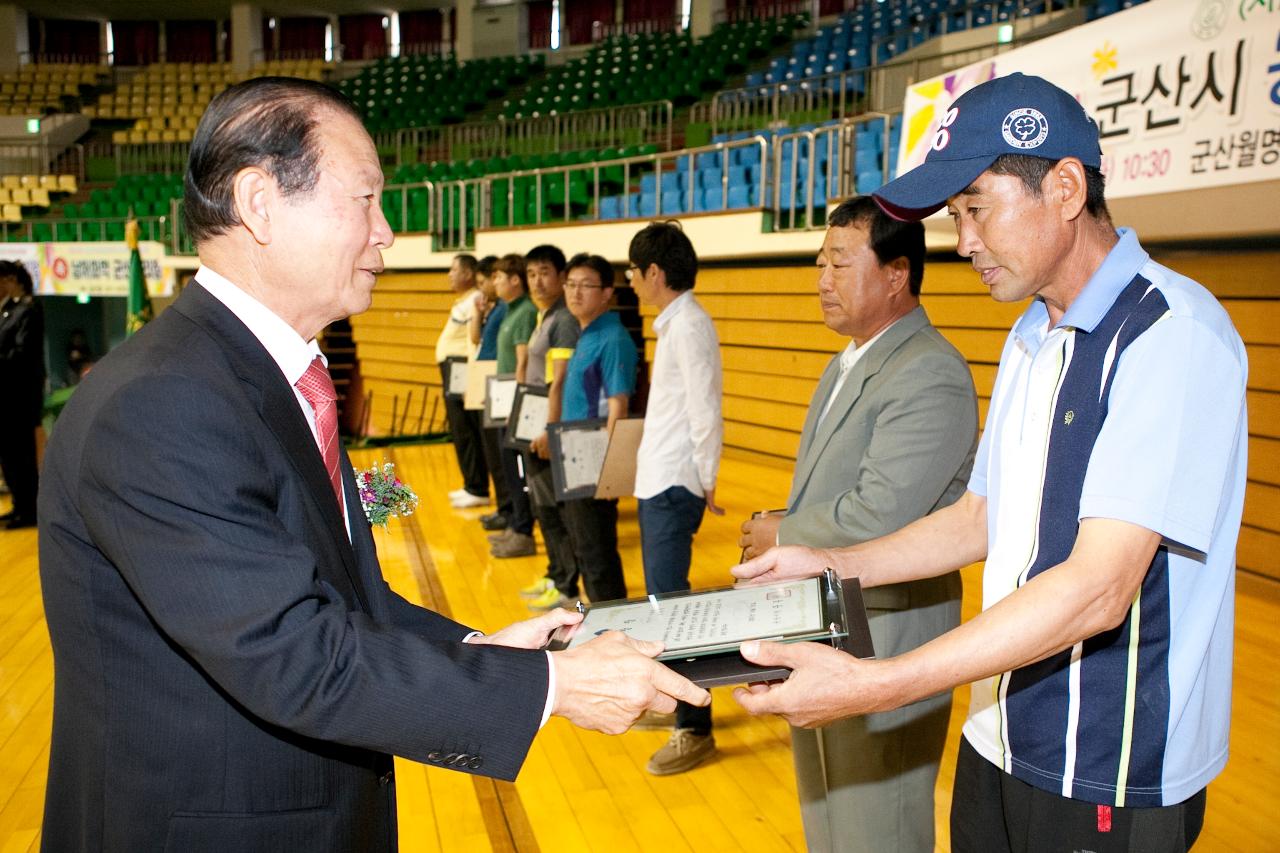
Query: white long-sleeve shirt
[683, 428]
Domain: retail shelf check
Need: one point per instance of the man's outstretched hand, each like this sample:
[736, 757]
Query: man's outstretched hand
[608, 682]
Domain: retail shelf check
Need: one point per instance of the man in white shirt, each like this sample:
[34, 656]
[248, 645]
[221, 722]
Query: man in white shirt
[464, 426]
[680, 452]
[231, 670]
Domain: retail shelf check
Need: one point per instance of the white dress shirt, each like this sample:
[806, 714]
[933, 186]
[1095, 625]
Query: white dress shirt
[848, 358]
[683, 429]
[293, 356]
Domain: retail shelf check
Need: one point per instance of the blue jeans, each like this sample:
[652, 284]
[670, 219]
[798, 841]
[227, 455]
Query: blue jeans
[668, 521]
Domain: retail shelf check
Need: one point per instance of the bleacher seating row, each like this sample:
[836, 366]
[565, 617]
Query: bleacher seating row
[36, 89]
[712, 185]
[652, 67]
[420, 91]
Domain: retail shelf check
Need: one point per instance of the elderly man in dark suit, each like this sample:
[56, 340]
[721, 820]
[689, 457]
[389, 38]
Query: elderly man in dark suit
[231, 670]
[21, 390]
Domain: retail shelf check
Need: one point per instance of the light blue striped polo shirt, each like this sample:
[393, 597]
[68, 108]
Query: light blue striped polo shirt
[1132, 408]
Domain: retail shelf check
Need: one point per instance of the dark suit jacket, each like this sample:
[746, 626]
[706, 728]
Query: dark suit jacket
[22, 361]
[230, 672]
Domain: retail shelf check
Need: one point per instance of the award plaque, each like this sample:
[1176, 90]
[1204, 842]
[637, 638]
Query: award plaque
[528, 418]
[455, 369]
[577, 450]
[499, 394]
[702, 630]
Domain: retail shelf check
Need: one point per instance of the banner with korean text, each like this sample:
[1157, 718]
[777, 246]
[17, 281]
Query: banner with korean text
[100, 269]
[1186, 93]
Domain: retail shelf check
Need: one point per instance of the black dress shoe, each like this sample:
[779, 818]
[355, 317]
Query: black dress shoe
[493, 521]
[18, 522]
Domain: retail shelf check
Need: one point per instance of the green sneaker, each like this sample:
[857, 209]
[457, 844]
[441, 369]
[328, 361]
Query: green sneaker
[537, 588]
[549, 600]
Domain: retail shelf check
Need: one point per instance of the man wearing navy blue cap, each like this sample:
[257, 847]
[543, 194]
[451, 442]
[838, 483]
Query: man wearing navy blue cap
[1105, 499]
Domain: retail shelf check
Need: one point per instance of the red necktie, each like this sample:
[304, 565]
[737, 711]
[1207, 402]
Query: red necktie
[317, 387]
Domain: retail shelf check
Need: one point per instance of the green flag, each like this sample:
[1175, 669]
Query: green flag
[139, 301]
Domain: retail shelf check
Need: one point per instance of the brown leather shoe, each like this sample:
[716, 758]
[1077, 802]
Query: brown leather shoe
[515, 545]
[684, 751]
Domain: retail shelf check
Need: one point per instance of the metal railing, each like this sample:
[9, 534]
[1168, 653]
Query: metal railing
[410, 199]
[467, 205]
[840, 141]
[149, 228]
[40, 158]
[636, 124]
[794, 194]
[135, 158]
[264, 55]
[458, 209]
[27, 57]
[757, 107]
[765, 11]
[601, 30]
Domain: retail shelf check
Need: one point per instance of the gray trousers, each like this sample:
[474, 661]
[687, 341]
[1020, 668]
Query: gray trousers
[866, 783]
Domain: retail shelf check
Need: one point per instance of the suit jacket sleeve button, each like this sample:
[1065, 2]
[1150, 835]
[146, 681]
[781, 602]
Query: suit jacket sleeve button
[434, 757]
[476, 762]
[385, 779]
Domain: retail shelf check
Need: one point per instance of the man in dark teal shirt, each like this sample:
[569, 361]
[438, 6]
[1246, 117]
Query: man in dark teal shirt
[599, 381]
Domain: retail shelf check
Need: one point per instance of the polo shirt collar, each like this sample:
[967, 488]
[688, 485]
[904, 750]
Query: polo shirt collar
[1104, 287]
[608, 318]
[1122, 263]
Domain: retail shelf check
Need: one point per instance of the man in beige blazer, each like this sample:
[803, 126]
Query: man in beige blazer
[889, 438]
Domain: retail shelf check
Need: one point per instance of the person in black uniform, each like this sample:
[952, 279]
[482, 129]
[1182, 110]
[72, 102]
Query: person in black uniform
[21, 389]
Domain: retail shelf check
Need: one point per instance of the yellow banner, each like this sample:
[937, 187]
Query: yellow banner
[100, 269]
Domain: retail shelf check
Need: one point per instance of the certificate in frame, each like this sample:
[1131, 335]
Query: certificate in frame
[577, 450]
[702, 630]
[499, 394]
[455, 372]
[528, 418]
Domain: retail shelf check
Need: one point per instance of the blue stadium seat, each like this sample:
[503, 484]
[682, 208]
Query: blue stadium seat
[649, 184]
[709, 177]
[865, 160]
[710, 198]
[648, 205]
[673, 201]
[671, 181]
[744, 196]
[610, 207]
[868, 182]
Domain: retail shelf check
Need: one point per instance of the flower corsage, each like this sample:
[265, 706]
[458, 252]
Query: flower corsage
[383, 495]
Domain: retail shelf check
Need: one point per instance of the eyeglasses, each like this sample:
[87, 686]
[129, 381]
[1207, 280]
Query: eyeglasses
[631, 271]
[582, 285]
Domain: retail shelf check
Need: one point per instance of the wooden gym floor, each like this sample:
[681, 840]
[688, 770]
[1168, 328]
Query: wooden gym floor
[584, 791]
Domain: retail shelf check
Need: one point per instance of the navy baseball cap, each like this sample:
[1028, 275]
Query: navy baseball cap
[1016, 114]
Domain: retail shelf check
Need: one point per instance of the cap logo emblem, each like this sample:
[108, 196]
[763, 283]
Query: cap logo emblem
[943, 137]
[1025, 128]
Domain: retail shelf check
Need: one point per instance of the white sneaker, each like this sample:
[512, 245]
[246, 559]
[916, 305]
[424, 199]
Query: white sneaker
[468, 500]
[457, 493]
